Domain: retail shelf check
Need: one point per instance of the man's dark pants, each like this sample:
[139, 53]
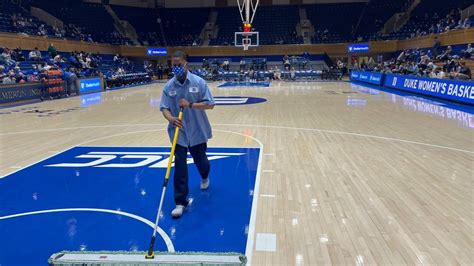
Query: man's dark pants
[181, 188]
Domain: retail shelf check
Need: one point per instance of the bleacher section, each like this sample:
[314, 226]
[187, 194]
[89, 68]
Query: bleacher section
[428, 14]
[97, 22]
[228, 21]
[334, 23]
[16, 18]
[181, 27]
[375, 15]
[145, 22]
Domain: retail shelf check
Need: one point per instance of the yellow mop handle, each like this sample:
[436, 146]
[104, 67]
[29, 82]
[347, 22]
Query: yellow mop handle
[173, 147]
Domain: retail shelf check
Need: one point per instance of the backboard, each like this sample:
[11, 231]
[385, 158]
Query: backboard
[246, 39]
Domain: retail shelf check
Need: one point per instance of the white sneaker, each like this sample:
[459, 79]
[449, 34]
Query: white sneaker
[204, 183]
[178, 211]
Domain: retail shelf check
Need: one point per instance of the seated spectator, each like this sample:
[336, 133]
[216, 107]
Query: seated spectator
[446, 54]
[5, 58]
[242, 64]
[293, 73]
[462, 72]
[73, 60]
[18, 55]
[117, 58]
[35, 55]
[33, 74]
[277, 73]
[466, 24]
[9, 79]
[225, 65]
[467, 53]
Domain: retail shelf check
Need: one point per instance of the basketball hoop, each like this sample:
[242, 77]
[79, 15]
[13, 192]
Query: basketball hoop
[247, 9]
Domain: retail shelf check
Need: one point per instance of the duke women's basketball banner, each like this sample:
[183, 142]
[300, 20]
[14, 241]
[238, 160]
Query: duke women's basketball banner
[368, 77]
[454, 90]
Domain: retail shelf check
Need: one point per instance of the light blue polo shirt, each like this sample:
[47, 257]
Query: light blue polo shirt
[196, 127]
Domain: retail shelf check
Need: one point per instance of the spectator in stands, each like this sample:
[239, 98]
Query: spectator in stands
[73, 60]
[446, 54]
[467, 53]
[293, 73]
[286, 62]
[277, 73]
[242, 64]
[117, 58]
[371, 64]
[9, 78]
[160, 71]
[461, 72]
[58, 60]
[72, 81]
[42, 31]
[33, 74]
[18, 55]
[225, 64]
[35, 55]
[52, 50]
[466, 24]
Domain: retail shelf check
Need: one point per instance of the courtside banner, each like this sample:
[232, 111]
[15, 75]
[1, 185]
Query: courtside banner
[460, 91]
[368, 77]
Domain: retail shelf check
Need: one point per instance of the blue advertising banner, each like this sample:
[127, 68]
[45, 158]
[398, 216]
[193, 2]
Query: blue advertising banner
[358, 48]
[158, 51]
[20, 92]
[367, 77]
[455, 90]
[90, 85]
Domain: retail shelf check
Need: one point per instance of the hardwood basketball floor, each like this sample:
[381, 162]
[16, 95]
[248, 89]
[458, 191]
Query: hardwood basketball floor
[350, 175]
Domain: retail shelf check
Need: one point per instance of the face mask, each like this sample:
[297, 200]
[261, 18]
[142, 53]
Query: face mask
[179, 71]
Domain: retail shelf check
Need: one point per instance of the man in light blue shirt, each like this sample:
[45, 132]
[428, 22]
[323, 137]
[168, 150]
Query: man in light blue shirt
[190, 92]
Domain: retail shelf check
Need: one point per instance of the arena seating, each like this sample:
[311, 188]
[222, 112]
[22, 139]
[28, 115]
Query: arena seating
[189, 22]
[72, 12]
[375, 16]
[334, 22]
[426, 15]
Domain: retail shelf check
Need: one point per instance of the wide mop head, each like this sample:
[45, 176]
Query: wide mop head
[127, 258]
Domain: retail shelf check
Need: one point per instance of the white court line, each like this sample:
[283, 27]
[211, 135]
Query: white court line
[253, 213]
[267, 196]
[261, 126]
[162, 233]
